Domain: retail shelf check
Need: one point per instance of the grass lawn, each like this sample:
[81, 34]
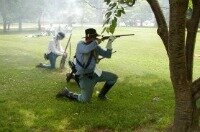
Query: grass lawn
[141, 101]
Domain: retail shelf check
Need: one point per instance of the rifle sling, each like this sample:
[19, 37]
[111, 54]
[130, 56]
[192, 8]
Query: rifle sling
[83, 65]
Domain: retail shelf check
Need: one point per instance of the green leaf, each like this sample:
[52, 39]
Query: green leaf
[114, 22]
[122, 9]
[108, 14]
[104, 29]
[122, 1]
[107, 30]
[112, 5]
[106, 22]
[113, 25]
[123, 12]
[118, 14]
[107, 1]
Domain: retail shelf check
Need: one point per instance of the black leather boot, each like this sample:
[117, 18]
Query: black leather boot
[104, 90]
[66, 93]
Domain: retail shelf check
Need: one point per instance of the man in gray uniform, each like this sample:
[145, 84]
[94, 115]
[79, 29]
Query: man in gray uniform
[87, 53]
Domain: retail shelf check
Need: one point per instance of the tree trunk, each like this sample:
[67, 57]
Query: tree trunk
[180, 53]
[183, 114]
[4, 24]
[8, 26]
[20, 24]
[39, 24]
[4, 15]
[186, 116]
[192, 28]
[141, 23]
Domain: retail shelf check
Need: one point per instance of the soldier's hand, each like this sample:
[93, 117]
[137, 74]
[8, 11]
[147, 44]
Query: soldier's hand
[110, 41]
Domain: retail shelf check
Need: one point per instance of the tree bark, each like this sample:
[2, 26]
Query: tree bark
[177, 61]
[192, 28]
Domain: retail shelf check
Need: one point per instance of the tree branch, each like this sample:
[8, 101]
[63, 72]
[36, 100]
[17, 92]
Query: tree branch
[196, 89]
[192, 27]
[162, 25]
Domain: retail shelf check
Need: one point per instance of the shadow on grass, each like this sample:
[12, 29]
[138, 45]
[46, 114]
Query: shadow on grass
[10, 118]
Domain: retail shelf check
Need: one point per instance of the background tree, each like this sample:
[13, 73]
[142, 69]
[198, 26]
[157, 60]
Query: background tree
[28, 10]
[98, 10]
[92, 11]
[6, 13]
[21, 11]
[180, 49]
[34, 12]
[137, 15]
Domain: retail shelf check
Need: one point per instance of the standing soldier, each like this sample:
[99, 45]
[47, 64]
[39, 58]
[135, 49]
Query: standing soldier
[87, 53]
[54, 50]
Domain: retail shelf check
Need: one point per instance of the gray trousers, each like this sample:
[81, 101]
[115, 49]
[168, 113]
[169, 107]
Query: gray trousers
[52, 59]
[87, 84]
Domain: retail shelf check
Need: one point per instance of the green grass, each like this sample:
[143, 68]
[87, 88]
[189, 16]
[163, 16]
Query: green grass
[142, 99]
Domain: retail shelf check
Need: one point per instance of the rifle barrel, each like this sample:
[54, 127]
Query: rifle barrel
[124, 35]
[106, 37]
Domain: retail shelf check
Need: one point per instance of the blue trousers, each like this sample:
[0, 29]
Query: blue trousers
[87, 84]
[52, 58]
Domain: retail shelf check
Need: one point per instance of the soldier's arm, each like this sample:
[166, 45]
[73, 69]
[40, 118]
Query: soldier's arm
[105, 53]
[86, 48]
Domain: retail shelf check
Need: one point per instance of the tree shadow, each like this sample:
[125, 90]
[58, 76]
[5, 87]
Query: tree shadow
[10, 118]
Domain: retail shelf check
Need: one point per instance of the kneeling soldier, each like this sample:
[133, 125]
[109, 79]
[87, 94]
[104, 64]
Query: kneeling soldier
[87, 53]
[54, 50]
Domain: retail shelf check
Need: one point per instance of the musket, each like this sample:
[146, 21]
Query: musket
[64, 57]
[116, 36]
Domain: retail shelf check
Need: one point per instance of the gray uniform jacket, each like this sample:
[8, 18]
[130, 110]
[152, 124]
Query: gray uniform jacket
[83, 52]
